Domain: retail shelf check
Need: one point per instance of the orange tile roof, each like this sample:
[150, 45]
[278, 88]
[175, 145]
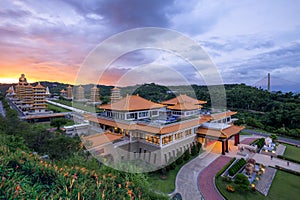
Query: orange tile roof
[223, 134]
[222, 115]
[101, 138]
[131, 103]
[183, 98]
[152, 129]
[184, 106]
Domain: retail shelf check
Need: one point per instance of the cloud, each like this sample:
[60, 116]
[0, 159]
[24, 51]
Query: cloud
[280, 62]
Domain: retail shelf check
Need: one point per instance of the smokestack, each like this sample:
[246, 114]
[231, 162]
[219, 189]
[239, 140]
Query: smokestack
[269, 82]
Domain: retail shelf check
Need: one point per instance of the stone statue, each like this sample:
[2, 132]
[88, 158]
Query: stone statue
[22, 79]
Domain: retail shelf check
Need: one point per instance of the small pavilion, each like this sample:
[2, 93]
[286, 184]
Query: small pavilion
[221, 135]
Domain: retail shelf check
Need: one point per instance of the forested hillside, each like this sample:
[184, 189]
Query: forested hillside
[274, 112]
[68, 173]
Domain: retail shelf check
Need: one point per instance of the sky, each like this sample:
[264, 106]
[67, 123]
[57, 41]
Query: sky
[55, 40]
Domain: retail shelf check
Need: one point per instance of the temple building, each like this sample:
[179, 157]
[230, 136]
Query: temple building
[95, 94]
[29, 98]
[115, 95]
[157, 132]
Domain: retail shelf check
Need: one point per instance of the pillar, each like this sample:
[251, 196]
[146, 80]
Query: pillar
[130, 136]
[236, 139]
[223, 147]
[160, 141]
[226, 146]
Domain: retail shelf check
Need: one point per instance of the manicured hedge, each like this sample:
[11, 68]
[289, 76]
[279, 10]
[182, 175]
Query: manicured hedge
[236, 167]
[288, 159]
[225, 167]
[286, 170]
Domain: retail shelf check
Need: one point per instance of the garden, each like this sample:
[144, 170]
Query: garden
[241, 187]
[163, 180]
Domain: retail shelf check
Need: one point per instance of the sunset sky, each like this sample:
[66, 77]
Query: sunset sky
[49, 40]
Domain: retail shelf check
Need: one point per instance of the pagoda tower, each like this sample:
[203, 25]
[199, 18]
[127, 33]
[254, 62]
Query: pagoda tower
[95, 94]
[69, 92]
[115, 95]
[79, 93]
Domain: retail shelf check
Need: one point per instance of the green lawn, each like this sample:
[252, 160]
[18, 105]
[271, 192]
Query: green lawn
[292, 152]
[284, 186]
[79, 105]
[56, 108]
[244, 133]
[167, 185]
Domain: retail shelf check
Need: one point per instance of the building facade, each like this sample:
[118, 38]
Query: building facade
[156, 133]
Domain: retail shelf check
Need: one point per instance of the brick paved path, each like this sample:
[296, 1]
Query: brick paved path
[187, 177]
[206, 178]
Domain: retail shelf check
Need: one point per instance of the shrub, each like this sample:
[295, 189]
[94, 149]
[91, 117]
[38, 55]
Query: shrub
[186, 155]
[236, 167]
[179, 159]
[242, 181]
[230, 188]
[225, 167]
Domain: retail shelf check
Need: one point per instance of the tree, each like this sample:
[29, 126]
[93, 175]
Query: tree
[242, 181]
[58, 122]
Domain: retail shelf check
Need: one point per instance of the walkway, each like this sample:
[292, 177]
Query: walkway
[266, 180]
[266, 160]
[289, 140]
[206, 178]
[187, 177]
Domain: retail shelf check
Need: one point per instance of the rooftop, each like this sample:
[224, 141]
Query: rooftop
[131, 103]
[183, 98]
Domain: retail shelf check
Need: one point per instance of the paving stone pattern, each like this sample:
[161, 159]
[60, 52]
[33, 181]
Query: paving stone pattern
[265, 182]
[206, 178]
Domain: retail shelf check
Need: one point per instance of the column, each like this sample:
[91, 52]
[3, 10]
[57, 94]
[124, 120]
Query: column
[160, 141]
[226, 146]
[173, 137]
[130, 136]
[223, 148]
[235, 141]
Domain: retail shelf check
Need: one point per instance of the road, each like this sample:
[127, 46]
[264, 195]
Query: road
[13, 106]
[289, 140]
[2, 110]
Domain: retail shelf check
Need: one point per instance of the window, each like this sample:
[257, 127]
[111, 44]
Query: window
[154, 112]
[143, 114]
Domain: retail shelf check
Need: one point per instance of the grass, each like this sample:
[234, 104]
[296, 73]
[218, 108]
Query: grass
[284, 186]
[221, 185]
[56, 109]
[168, 185]
[164, 186]
[78, 105]
[292, 152]
[244, 133]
